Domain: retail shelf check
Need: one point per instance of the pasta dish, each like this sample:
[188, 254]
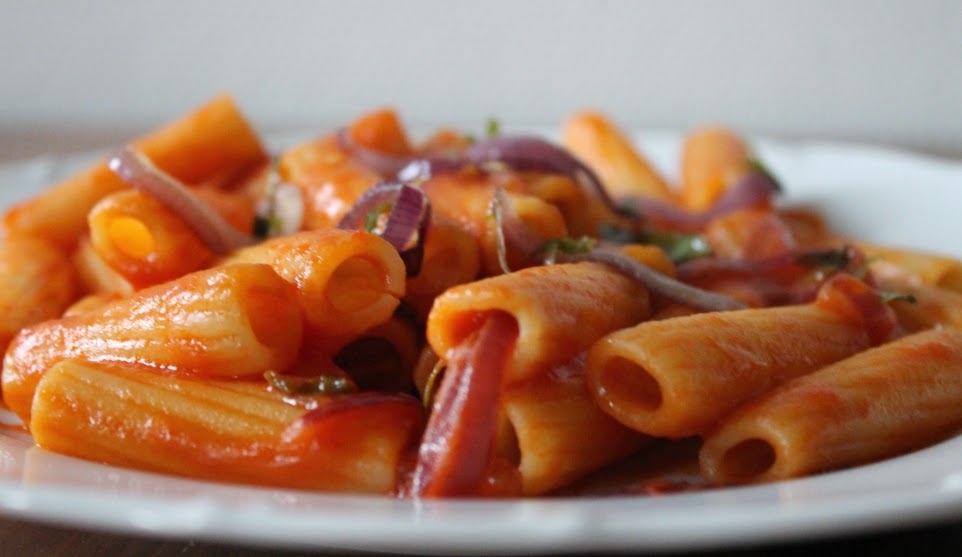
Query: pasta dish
[488, 315]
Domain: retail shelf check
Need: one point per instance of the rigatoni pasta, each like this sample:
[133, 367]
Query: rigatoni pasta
[463, 316]
[882, 402]
[214, 142]
[235, 431]
[231, 321]
[678, 377]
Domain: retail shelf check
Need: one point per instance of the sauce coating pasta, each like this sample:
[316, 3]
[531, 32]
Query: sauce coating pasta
[464, 317]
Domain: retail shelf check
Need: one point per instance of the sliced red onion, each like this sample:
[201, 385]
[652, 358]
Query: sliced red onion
[346, 402]
[383, 163]
[459, 437]
[511, 230]
[407, 222]
[373, 199]
[788, 266]
[514, 232]
[526, 153]
[752, 189]
[656, 282]
[788, 278]
[421, 169]
[137, 171]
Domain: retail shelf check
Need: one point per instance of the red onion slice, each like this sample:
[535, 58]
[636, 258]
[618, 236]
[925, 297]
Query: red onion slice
[512, 230]
[791, 265]
[137, 171]
[788, 278]
[371, 200]
[523, 153]
[656, 282]
[384, 164]
[347, 402]
[459, 438]
[752, 189]
[526, 153]
[407, 223]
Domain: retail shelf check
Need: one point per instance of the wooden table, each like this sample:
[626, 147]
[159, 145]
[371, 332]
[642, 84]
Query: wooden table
[31, 539]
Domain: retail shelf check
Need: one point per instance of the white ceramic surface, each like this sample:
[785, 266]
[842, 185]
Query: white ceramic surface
[885, 196]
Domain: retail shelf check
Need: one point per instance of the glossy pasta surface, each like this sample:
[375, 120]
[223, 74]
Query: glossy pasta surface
[463, 316]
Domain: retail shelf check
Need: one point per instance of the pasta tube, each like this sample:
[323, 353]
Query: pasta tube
[226, 431]
[914, 268]
[678, 377]
[143, 240]
[384, 356]
[347, 281]
[231, 321]
[749, 234]
[592, 138]
[213, 140]
[561, 433]
[331, 181]
[582, 213]
[94, 274]
[559, 309]
[930, 307]
[465, 198]
[451, 257]
[498, 332]
[711, 159]
[885, 401]
[37, 282]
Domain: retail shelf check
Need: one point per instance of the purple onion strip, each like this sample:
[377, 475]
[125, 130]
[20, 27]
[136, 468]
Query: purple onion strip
[658, 283]
[752, 189]
[140, 173]
[410, 217]
[533, 153]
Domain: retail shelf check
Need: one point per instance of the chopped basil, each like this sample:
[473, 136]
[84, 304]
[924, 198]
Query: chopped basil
[888, 296]
[826, 259]
[310, 386]
[373, 219]
[266, 222]
[566, 246]
[760, 167]
[492, 127]
[263, 225]
[679, 247]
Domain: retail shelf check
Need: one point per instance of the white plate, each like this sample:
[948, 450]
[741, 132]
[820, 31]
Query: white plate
[885, 196]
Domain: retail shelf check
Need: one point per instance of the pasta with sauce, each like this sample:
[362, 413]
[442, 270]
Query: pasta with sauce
[463, 317]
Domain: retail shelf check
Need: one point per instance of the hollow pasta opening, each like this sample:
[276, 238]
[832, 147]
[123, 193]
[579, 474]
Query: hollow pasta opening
[630, 385]
[508, 446]
[747, 459]
[264, 308]
[356, 284]
[131, 237]
[374, 363]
